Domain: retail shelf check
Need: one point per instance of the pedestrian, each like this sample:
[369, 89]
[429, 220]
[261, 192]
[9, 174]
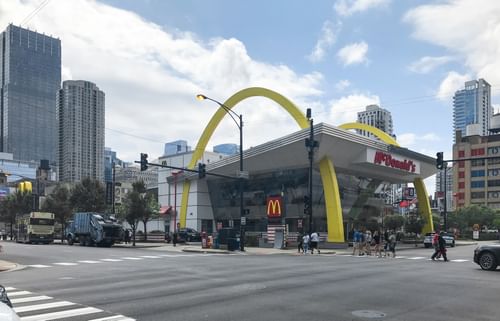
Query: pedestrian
[362, 240]
[376, 242]
[386, 242]
[392, 244]
[300, 248]
[355, 242]
[435, 244]
[368, 242]
[174, 239]
[305, 243]
[442, 248]
[314, 242]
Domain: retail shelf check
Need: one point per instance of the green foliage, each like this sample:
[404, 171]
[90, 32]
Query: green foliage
[414, 224]
[393, 222]
[15, 204]
[465, 218]
[88, 196]
[59, 203]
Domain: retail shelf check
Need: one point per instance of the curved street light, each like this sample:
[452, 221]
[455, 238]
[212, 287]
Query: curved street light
[240, 127]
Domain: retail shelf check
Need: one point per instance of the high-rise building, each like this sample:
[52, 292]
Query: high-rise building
[110, 159]
[176, 147]
[227, 149]
[444, 184]
[376, 117]
[30, 76]
[472, 109]
[80, 116]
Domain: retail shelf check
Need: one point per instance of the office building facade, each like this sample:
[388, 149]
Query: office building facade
[227, 149]
[472, 109]
[30, 76]
[176, 147]
[377, 117]
[80, 116]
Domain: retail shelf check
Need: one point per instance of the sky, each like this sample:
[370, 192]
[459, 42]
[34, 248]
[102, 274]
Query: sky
[151, 58]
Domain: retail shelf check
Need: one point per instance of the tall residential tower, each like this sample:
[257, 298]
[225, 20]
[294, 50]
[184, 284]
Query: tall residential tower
[80, 116]
[30, 76]
[376, 117]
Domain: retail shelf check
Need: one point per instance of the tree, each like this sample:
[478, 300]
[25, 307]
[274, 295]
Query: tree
[88, 196]
[151, 211]
[59, 203]
[414, 224]
[465, 217]
[135, 207]
[393, 222]
[15, 204]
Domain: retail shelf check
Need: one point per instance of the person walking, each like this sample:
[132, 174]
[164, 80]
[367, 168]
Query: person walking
[300, 243]
[355, 242]
[392, 244]
[314, 242]
[376, 242]
[368, 242]
[305, 243]
[442, 248]
[435, 244]
[174, 238]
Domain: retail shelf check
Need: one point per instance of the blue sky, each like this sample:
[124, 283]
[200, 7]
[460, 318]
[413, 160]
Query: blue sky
[152, 57]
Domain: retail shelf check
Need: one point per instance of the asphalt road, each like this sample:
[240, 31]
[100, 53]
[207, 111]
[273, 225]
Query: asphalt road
[155, 284]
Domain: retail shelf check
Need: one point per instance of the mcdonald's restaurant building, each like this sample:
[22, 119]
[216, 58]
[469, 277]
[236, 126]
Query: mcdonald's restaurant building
[350, 176]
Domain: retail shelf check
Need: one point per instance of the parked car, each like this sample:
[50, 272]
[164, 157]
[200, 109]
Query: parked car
[450, 239]
[487, 256]
[188, 235]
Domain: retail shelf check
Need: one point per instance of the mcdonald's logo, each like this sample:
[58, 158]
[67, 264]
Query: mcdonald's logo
[274, 206]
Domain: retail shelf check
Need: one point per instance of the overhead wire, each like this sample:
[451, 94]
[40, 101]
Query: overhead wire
[34, 12]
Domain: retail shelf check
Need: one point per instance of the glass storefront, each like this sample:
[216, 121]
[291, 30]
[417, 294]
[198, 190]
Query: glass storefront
[363, 199]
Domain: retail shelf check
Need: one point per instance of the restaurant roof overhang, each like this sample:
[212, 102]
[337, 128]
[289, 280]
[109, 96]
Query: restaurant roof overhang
[350, 153]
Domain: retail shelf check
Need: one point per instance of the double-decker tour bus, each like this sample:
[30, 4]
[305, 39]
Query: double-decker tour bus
[35, 227]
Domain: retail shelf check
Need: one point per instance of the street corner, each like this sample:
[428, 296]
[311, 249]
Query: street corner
[6, 266]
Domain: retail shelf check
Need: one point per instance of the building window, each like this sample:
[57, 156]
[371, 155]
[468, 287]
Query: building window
[477, 162]
[461, 153]
[494, 182]
[461, 174]
[477, 152]
[477, 184]
[461, 164]
[477, 195]
[478, 173]
[461, 185]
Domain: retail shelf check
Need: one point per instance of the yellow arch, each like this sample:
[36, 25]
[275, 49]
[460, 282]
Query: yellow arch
[332, 199]
[424, 206]
[383, 136]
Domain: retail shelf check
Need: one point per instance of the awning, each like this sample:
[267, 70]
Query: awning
[164, 210]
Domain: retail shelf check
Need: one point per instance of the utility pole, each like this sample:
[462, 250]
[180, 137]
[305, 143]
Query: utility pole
[310, 144]
[113, 186]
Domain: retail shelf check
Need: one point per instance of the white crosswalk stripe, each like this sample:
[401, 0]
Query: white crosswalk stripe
[111, 260]
[132, 258]
[35, 307]
[65, 263]
[89, 262]
[39, 266]
[416, 258]
[413, 258]
[150, 256]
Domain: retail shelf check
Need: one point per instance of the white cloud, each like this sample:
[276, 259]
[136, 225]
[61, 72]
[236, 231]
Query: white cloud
[417, 141]
[342, 85]
[354, 53]
[468, 28]
[151, 75]
[349, 7]
[327, 38]
[450, 84]
[345, 109]
[427, 64]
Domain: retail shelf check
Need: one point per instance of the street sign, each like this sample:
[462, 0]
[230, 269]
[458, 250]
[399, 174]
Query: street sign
[242, 174]
[475, 235]
[243, 221]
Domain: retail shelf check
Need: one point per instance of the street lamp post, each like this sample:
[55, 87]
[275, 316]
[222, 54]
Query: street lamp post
[240, 180]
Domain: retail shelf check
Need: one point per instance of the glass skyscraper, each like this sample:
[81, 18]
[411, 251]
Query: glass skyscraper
[472, 105]
[30, 76]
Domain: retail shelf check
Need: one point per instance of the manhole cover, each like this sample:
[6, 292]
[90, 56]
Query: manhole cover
[369, 314]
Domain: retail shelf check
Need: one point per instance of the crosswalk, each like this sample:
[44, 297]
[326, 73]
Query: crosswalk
[119, 259]
[401, 257]
[31, 306]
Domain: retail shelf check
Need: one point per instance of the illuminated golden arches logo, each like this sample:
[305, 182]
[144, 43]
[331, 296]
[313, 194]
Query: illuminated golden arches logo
[274, 206]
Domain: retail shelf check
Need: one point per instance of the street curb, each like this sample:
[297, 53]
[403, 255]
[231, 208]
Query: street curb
[10, 267]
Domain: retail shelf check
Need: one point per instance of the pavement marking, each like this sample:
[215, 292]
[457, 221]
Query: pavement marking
[114, 318]
[131, 258]
[9, 288]
[89, 262]
[459, 261]
[39, 266]
[150, 256]
[30, 299]
[111, 260]
[416, 258]
[171, 255]
[18, 293]
[35, 307]
[65, 263]
[60, 314]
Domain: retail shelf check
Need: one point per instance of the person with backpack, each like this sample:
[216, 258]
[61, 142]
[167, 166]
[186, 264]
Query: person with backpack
[442, 248]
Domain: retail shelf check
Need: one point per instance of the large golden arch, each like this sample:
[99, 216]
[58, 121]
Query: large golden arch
[327, 171]
[424, 206]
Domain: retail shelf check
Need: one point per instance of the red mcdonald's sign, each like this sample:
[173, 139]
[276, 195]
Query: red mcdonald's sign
[274, 206]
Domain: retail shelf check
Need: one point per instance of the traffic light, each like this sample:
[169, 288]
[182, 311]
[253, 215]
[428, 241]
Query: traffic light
[439, 160]
[25, 186]
[144, 162]
[307, 204]
[201, 170]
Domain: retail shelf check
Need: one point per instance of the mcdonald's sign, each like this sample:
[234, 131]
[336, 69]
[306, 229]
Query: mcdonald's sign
[274, 206]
